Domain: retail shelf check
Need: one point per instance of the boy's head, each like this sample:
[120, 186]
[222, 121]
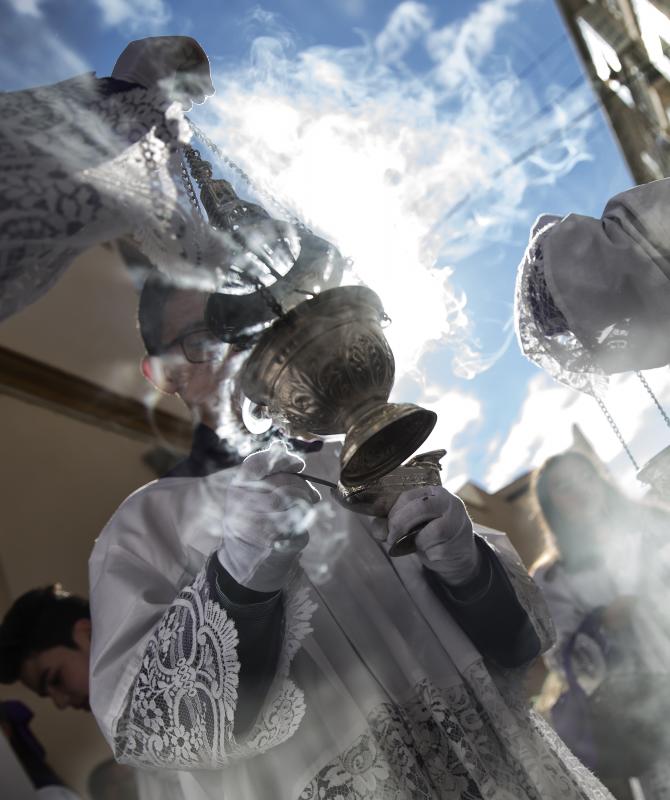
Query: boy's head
[183, 357]
[45, 641]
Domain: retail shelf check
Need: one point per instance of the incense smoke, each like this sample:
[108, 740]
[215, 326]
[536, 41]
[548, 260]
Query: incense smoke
[377, 157]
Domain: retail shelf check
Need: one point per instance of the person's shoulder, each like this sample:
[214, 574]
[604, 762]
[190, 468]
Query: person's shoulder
[146, 493]
[165, 505]
[151, 501]
[172, 485]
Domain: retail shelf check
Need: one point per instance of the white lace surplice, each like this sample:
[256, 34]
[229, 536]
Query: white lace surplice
[378, 694]
[78, 168]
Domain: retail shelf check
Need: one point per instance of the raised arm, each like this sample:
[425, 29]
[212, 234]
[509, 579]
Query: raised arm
[479, 578]
[189, 671]
[90, 160]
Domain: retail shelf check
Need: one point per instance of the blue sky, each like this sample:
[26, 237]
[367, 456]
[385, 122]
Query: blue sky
[318, 100]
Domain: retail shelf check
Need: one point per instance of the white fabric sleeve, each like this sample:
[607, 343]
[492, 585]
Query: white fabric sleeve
[180, 711]
[164, 662]
[79, 167]
[610, 279]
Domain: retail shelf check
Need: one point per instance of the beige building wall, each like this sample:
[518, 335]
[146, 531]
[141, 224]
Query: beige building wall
[60, 478]
[513, 509]
[61, 481]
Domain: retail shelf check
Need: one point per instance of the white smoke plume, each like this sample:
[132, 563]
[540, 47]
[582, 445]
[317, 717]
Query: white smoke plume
[376, 156]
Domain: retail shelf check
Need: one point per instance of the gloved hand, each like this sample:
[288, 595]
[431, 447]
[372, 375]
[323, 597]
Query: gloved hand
[446, 543]
[265, 519]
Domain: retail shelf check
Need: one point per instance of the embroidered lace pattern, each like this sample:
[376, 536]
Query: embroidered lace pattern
[79, 166]
[180, 710]
[463, 743]
[543, 333]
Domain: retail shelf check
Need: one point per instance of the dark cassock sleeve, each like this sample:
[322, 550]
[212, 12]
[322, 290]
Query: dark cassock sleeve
[489, 611]
[258, 618]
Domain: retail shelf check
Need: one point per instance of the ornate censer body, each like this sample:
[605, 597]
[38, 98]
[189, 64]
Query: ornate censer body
[326, 368]
[323, 366]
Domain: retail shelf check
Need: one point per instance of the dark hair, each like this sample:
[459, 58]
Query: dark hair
[38, 620]
[156, 291]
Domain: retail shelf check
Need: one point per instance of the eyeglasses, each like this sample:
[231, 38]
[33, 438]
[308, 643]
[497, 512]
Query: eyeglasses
[198, 346]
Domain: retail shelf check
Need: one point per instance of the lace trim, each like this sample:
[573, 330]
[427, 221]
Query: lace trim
[298, 612]
[77, 168]
[180, 710]
[542, 331]
[458, 744]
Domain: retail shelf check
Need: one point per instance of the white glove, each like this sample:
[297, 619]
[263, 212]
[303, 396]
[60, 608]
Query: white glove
[446, 543]
[265, 519]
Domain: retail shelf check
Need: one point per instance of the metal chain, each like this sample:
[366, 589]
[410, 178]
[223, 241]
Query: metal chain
[643, 381]
[616, 430]
[190, 191]
[152, 167]
[263, 193]
[267, 295]
[272, 302]
[193, 199]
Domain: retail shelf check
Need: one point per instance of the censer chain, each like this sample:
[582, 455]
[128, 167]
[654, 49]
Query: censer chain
[662, 412]
[263, 193]
[292, 218]
[616, 430]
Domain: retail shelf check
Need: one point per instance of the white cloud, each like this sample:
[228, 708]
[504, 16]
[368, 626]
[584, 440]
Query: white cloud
[455, 411]
[29, 7]
[372, 155]
[543, 427]
[134, 14]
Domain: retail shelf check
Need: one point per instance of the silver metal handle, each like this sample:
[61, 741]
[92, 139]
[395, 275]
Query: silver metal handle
[406, 545]
[314, 479]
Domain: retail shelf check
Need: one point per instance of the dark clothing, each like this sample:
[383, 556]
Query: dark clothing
[15, 718]
[259, 622]
[208, 454]
[488, 610]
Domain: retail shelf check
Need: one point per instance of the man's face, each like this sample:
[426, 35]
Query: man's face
[60, 672]
[198, 384]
